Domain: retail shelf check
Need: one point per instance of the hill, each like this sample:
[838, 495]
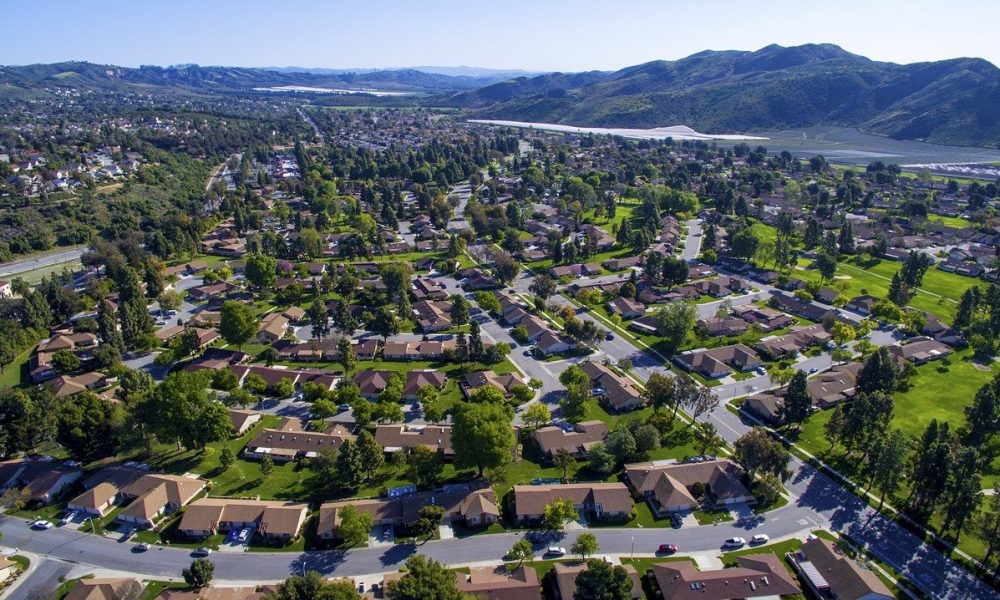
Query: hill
[952, 101]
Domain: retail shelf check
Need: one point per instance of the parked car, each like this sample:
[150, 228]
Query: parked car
[734, 542]
[41, 524]
[666, 549]
[244, 535]
[141, 547]
[555, 551]
[202, 552]
[68, 518]
[609, 336]
[760, 538]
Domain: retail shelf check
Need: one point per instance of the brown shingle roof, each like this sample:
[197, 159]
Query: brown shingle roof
[613, 497]
[757, 575]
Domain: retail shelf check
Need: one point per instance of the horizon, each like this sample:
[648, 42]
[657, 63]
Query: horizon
[557, 36]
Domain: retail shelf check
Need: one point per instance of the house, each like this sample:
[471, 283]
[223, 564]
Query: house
[276, 521]
[291, 442]
[398, 437]
[834, 386]
[919, 350]
[105, 589]
[757, 576]
[566, 574]
[432, 316]
[576, 439]
[8, 569]
[766, 405]
[243, 420]
[152, 496]
[499, 583]
[807, 310]
[626, 308]
[620, 264]
[722, 326]
[67, 385]
[719, 362]
[646, 325]
[511, 311]
[256, 592]
[600, 500]
[767, 319]
[463, 504]
[425, 288]
[273, 327]
[861, 304]
[669, 487]
[795, 341]
[505, 383]
[617, 392]
[294, 314]
[45, 480]
[418, 350]
[829, 573]
[534, 327]
[551, 342]
[6, 291]
[724, 285]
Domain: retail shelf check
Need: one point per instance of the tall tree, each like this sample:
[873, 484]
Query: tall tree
[261, 271]
[424, 579]
[482, 436]
[585, 545]
[135, 321]
[574, 403]
[888, 460]
[349, 465]
[107, 327]
[237, 323]
[312, 586]
[797, 403]
[319, 319]
[372, 455]
[878, 374]
[603, 581]
[345, 354]
[930, 468]
[757, 452]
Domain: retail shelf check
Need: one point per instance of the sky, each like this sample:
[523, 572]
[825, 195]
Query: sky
[537, 35]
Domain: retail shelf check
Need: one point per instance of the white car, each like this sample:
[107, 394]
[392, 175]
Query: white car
[41, 524]
[734, 542]
[68, 518]
[760, 538]
[555, 551]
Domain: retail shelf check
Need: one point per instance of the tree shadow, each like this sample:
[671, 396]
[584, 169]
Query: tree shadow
[398, 554]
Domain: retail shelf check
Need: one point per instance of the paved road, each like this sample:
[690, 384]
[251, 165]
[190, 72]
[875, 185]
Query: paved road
[30, 264]
[43, 576]
[145, 362]
[692, 246]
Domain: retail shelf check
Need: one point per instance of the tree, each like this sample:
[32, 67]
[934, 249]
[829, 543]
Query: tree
[520, 551]
[107, 326]
[842, 333]
[826, 265]
[585, 544]
[982, 419]
[261, 271]
[266, 465]
[429, 519]
[675, 271]
[424, 467]
[345, 354]
[767, 489]
[601, 459]
[577, 384]
[169, 300]
[90, 427]
[603, 581]
[888, 460]
[284, 388]
[559, 512]
[319, 319]
[65, 361]
[354, 525]
[659, 391]
[349, 466]
[756, 451]
[562, 459]
[482, 436]
[867, 416]
[424, 579]
[134, 319]
[878, 373]
[536, 415]
[543, 286]
[200, 573]
[743, 244]
[621, 444]
[505, 267]
[312, 586]
[673, 323]
[227, 458]
[707, 438]
[897, 294]
[834, 428]
[385, 323]
[476, 350]
[459, 310]
[987, 526]
[797, 404]
[254, 383]
[237, 324]
[372, 455]
[930, 468]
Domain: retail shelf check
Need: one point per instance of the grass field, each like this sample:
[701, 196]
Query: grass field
[14, 373]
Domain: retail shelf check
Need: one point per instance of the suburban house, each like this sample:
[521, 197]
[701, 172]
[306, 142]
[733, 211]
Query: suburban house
[722, 326]
[861, 304]
[767, 319]
[832, 387]
[418, 350]
[432, 315]
[497, 583]
[919, 350]
[626, 308]
[290, 442]
[462, 504]
[719, 362]
[534, 327]
[669, 487]
[243, 420]
[617, 392]
[829, 573]
[599, 500]
[511, 311]
[372, 383]
[105, 589]
[620, 264]
[45, 480]
[399, 437]
[551, 342]
[152, 496]
[273, 327]
[566, 574]
[795, 341]
[272, 520]
[425, 288]
[97, 501]
[505, 383]
[757, 576]
[576, 439]
[70, 385]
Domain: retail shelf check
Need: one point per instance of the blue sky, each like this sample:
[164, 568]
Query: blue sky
[561, 35]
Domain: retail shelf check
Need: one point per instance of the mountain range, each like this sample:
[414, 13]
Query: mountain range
[950, 101]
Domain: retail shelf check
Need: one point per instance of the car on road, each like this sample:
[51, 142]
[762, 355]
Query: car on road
[555, 551]
[609, 336]
[761, 371]
[68, 518]
[527, 352]
[202, 552]
[344, 407]
[813, 370]
[244, 535]
[141, 547]
[41, 524]
[666, 549]
[734, 542]
[760, 538]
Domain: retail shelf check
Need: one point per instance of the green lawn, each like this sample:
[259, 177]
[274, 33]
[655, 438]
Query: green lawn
[956, 222]
[15, 373]
[710, 517]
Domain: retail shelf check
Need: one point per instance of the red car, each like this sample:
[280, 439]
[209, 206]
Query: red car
[666, 549]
